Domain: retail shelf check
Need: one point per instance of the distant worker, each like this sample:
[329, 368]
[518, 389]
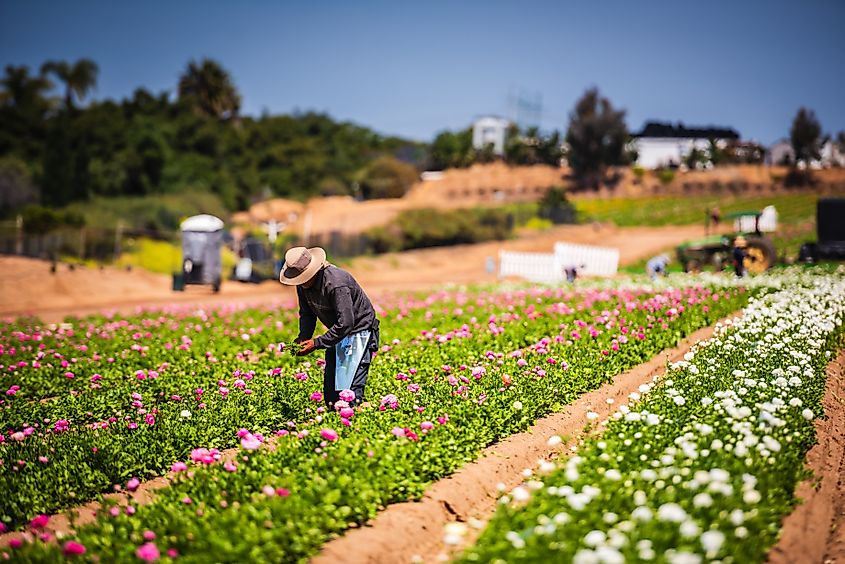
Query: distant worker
[571, 272]
[739, 255]
[715, 216]
[327, 293]
[656, 266]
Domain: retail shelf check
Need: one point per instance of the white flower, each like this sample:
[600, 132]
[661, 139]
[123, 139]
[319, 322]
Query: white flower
[520, 494]
[592, 415]
[454, 533]
[594, 538]
[689, 529]
[517, 405]
[516, 541]
[679, 400]
[671, 512]
[185, 413]
[554, 441]
[585, 556]
[641, 513]
[751, 496]
[807, 414]
[702, 500]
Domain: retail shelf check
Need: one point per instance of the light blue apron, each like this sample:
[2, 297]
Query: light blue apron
[348, 354]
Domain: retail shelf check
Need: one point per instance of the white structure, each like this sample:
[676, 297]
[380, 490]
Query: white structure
[489, 130]
[768, 222]
[831, 154]
[662, 144]
[780, 153]
[549, 267]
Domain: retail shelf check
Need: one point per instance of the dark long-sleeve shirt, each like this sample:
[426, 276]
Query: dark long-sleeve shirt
[339, 302]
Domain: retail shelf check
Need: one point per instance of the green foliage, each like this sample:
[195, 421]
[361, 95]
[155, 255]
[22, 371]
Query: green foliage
[387, 177]
[420, 228]
[639, 172]
[529, 147]
[452, 150]
[597, 136]
[557, 208]
[148, 145]
[38, 220]
[208, 88]
[666, 175]
[805, 135]
[538, 224]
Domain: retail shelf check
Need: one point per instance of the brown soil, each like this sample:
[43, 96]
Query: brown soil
[470, 495]
[815, 531]
[28, 288]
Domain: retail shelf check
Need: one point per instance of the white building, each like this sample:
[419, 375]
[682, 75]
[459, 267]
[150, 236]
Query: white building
[662, 144]
[780, 153]
[488, 130]
[830, 154]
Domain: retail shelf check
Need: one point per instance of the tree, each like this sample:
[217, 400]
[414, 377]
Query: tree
[22, 91]
[804, 135]
[209, 88]
[387, 177]
[596, 137]
[79, 78]
[452, 150]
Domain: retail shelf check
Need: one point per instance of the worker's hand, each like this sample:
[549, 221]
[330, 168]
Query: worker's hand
[307, 347]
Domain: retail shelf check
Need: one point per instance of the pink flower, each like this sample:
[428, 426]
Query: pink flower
[347, 395]
[179, 467]
[316, 396]
[268, 490]
[426, 426]
[398, 431]
[133, 484]
[39, 522]
[389, 401]
[72, 548]
[148, 552]
[401, 376]
[347, 412]
[329, 434]
[414, 388]
[149, 535]
[250, 442]
[149, 419]
[230, 466]
[282, 492]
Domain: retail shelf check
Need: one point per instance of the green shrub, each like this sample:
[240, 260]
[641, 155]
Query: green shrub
[420, 228]
[666, 176]
[556, 207]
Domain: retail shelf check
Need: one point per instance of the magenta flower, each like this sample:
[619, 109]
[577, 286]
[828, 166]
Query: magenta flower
[148, 552]
[347, 395]
[133, 484]
[250, 442]
[149, 535]
[316, 396]
[179, 467]
[426, 426]
[71, 548]
[329, 434]
[389, 401]
[149, 419]
[347, 412]
[230, 466]
[414, 388]
[39, 522]
[398, 431]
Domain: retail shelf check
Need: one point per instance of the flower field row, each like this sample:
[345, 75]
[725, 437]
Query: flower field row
[449, 382]
[703, 466]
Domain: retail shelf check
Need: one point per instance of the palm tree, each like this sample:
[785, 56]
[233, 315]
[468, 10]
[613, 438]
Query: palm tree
[79, 78]
[23, 91]
[210, 89]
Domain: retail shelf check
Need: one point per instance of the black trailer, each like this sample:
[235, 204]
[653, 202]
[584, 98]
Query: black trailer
[830, 232]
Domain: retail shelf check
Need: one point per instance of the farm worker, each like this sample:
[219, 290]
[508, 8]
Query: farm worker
[327, 293]
[739, 255]
[656, 266]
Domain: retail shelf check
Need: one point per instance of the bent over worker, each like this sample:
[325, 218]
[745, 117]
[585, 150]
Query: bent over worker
[332, 295]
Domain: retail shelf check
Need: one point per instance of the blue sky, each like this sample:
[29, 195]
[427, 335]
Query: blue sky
[415, 68]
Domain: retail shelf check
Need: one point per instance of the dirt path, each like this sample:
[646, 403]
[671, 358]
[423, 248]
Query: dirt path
[27, 287]
[815, 531]
[470, 494]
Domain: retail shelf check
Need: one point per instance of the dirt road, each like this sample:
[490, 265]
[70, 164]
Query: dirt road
[28, 288]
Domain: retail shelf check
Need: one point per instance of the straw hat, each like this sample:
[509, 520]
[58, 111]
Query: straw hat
[740, 241]
[301, 265]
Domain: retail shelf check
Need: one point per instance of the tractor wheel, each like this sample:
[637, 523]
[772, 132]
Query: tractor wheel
[760, 255]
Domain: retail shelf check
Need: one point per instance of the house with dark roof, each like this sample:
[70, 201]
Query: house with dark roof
[664, 144]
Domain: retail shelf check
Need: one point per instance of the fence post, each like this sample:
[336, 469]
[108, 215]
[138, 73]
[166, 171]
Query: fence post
[19, 235]
[81, 243]
[118, 232]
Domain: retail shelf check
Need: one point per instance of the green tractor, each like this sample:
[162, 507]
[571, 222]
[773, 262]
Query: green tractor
[716, 251]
